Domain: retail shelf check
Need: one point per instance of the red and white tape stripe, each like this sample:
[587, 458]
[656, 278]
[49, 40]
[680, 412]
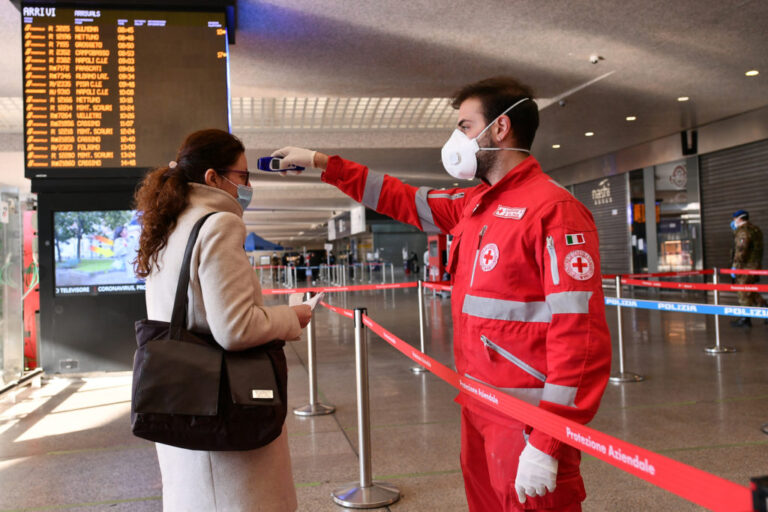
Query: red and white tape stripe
[688, 273]
[334, 289]
[744, 271]
[697, 286]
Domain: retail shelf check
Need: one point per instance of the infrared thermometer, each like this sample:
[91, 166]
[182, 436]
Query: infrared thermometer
[272, 164]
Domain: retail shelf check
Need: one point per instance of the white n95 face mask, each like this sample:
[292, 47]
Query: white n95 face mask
[459, 154]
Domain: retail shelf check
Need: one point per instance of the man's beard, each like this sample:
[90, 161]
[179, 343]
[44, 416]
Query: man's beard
[486, 160]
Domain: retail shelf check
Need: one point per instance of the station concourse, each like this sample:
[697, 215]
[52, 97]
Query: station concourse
[653, 116]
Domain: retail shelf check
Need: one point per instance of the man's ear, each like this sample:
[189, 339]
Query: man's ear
[211, 178]
[504, 131]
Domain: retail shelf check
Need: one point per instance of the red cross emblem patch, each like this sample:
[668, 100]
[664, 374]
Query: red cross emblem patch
[579, 265]
[489, 257]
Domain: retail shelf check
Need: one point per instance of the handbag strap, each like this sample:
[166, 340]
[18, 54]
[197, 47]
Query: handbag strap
[179, 315]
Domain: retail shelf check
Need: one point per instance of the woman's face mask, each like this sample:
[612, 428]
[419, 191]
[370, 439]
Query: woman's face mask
[459, 154]
[244, 193]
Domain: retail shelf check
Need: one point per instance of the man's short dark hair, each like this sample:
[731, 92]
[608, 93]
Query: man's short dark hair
[498, 94]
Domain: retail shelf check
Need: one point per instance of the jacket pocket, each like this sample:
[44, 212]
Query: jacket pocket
[553, 260]
[530, 370]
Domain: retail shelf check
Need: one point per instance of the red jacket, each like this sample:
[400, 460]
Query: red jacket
[528, 307]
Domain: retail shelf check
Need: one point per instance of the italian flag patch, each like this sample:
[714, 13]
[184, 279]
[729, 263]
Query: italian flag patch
[576, 239]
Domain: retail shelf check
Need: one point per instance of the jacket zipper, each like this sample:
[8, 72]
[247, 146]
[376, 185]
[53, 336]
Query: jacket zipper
[533, 372]
[477, 255]
[553, 261]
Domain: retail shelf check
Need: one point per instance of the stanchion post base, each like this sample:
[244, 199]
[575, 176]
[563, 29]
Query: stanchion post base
[719, 350]
[314, 410]
[379, 494]
[619, 378]
[418, 369]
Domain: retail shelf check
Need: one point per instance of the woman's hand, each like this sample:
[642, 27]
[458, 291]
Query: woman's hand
[303, 313]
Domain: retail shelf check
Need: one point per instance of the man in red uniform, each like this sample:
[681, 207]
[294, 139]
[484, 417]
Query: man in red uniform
[528, 307]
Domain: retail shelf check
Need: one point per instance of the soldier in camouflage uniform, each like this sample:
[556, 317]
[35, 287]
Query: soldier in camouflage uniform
[747, 253]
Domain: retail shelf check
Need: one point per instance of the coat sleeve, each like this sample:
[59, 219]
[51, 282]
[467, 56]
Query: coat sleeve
[230, 298]
[578, 343]
[430, 210]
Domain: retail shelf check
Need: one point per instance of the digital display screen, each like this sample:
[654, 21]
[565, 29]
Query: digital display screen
[94, 252]
[118, 89]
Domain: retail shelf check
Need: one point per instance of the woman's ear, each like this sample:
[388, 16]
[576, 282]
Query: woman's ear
[211, 178]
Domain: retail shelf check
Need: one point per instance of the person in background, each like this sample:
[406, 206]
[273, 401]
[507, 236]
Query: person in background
[426, 264]
[210, 174]
[274, 263]
[528, 306]
[747, 253]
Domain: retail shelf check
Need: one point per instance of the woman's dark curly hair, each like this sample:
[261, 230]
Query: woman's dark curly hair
[163, 193]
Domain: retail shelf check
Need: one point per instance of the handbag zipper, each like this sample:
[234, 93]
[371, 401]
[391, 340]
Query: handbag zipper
[553, 261]
[477, 255]
[533, 372]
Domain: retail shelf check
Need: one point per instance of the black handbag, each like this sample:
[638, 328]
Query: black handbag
[189, 392]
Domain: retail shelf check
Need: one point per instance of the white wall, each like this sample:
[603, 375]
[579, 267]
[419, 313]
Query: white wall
[12, 170]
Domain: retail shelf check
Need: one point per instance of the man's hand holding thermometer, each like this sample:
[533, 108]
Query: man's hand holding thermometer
[293, 160]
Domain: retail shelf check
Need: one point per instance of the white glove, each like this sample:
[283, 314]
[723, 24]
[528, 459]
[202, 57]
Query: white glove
[292, 156]
[536, 473]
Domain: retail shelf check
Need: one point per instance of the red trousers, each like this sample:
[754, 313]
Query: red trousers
[489, 456]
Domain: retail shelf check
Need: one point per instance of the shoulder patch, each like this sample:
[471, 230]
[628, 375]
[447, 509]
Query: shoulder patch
[579, 265]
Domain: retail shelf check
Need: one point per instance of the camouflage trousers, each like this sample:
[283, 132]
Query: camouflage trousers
[752, 299]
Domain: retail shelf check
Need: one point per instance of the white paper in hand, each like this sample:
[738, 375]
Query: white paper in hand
[314, 300]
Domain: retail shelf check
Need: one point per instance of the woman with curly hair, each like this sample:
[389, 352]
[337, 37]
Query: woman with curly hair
[210, 174]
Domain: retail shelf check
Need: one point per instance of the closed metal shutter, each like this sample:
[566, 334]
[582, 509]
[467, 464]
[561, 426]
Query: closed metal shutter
[732, 179]
[606, 198]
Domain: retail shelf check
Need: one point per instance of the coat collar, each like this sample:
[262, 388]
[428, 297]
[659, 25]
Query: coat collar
[211, 198]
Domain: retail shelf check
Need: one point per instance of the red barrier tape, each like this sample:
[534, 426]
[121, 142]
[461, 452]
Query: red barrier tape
[332, 289]
[693, 484]
[688, 273]
[744, 271]
[698, 286]
[442, 286]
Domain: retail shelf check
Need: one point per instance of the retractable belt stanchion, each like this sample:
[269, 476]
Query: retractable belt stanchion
[391, 272]
[717, 348]
[418, 368]
[622, 376]
[366, 493]
[383, 273]
[313, 408]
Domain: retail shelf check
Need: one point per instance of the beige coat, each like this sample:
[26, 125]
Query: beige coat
[224, 299]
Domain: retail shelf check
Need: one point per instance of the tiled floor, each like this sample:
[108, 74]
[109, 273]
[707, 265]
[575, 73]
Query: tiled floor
[68, 445]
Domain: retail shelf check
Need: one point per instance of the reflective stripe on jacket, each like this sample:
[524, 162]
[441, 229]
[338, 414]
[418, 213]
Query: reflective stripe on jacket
[527, 303]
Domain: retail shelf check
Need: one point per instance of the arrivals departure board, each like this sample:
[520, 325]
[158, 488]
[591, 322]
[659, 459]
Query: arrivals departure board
[112, 92]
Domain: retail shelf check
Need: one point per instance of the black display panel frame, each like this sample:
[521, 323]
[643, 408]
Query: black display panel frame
[219, 7]
[81, 333]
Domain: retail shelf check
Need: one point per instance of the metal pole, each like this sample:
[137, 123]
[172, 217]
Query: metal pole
[313, 408]
[717, 348]
[418, 368]
[383, 272]
[365, 493]
[392, 273]
[622, 376]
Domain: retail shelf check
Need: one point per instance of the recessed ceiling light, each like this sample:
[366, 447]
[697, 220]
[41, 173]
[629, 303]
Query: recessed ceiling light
[683, 98]
[631, 118]
[589, 134]
[752, 72]
[555, 146]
